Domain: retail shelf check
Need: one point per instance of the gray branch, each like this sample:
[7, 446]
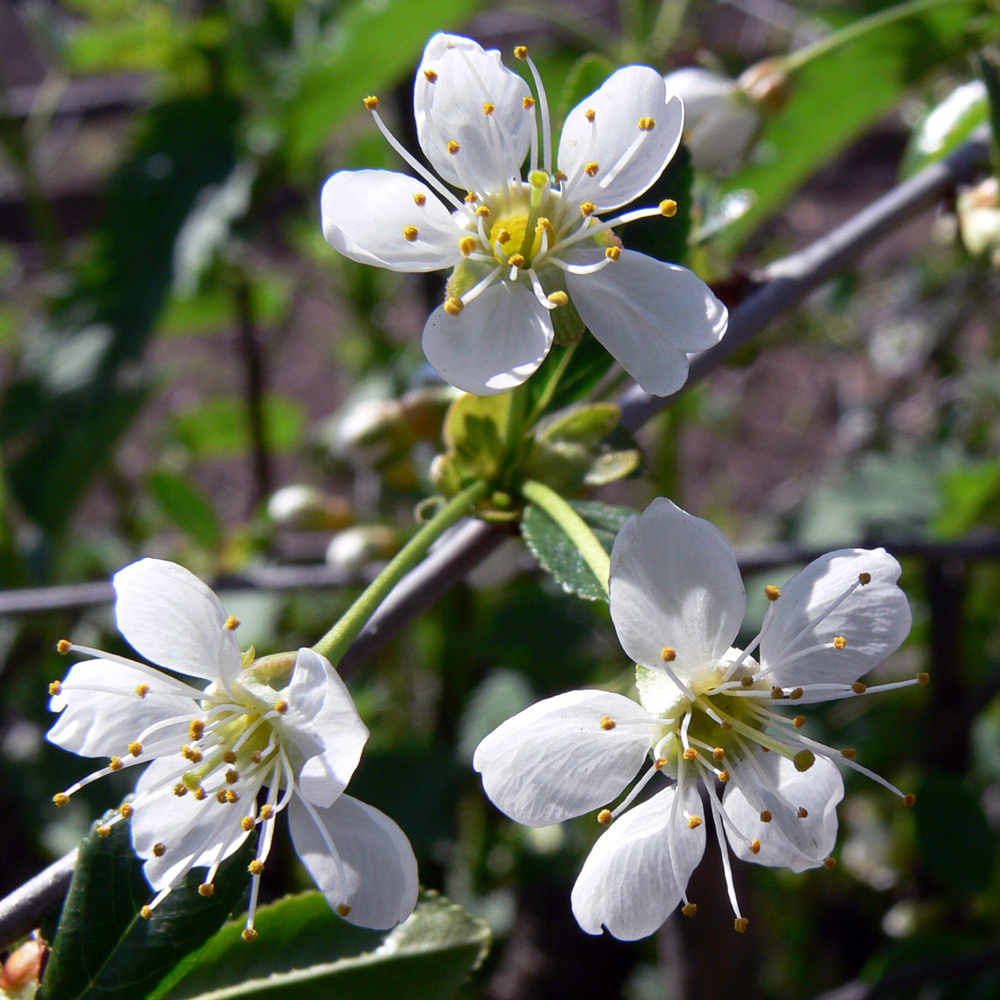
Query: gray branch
[783, 285]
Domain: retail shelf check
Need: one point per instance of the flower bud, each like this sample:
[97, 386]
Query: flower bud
[766, 83]
[352, 549]
[23, 969]
[979, 219]
[308, 509]
[370, 433]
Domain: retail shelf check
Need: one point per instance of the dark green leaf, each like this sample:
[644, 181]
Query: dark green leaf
[305, 952]
[186, 506]
[104, 948]
[557, 554]
[603, 517]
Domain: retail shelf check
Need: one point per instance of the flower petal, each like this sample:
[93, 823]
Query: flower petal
[323, 724]
[368, 216]
[648, 314]
[454, 82]
[788, 840]
[102, 723]
[173, 619]
[628, 882]
[191, 831]
[494, 344]
[629, 158]
[554, 760]
[874, 619]
[359, 858]
[675, 583]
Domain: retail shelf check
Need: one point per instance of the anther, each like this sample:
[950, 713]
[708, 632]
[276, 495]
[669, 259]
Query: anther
[689, 909]
[718, 753]
[660, 763]
[528, 103]
[747, 681]
[923, 678]
[489, 108]
[521, 52]
[142, 690]
[61, 799]
[741, 924]
[200, 794]
[604, 817]
[410, 233]
[771, 592]
[799, 721]
[135, 748]
[608, 723]
[647, 124]
[908, 800]
[126, 810]
[266, 812]
[257, 756]
[725, 724]
[104, 830]
[668, 208]
[146, 912]
[830, 864]
[230, 757]
[471, 197]
[694, 822]
[281, 706]
[206, 889]
[63, 646]
[591, 115]
[755, 847]
[430, 76]
[839, 642]
[587, 209]
[231, 797]
[515, 260]
[232, 776]
[220, 796]
[344, 910]
[858, 688]
[247, 823]
[591, 168]
[115, 764]
[560, 177]
[864, 579]
[467, 244]
[255, 867]
[613, 253]
[453, 306]
[776, 692]
[804, 760]
[668, 653]
[724, 776]
[453, 147]
[797, 693]
[55, 687]
[371, 102]
[483, 212]
[559, 298]
[765, 816]
[196, 729]
[803, 813]
[849, 752]
[503, 236]
[690, 753]
[180, 790]
[232, 623]
[159, 849]
[191, 753]
[248, 933]
[421, 199]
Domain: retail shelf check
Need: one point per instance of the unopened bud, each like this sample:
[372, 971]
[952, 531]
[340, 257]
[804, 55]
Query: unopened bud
[354, 548]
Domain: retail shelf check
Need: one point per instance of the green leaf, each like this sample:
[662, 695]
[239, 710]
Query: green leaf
[557, 554]
[945, 127]
[305, 952]
[586, 75]
[187, 506]
[218, 428]
[366, 50]
[104, 949]
[603, 518]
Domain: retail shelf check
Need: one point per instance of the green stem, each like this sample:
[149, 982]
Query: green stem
[550, 387]
[334, 644]
[796, 60]
[576, 528]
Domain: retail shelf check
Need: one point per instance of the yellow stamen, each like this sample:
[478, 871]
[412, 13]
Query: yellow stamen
[232, 776]
[344, 910]
[591, 114]
[55, 688]
[421, 199]
[146, 912]
[660, 763]
[741, 924]
[159, 849]
[467, 244]
[923, 678]
[126, 810]
[200, 794]
[371, 102]
[180, 790]
[248, 933]
[230, 757]
[453, 147]
[765, 816]
[694, 822]
[608, 723]
[61, 799]
[849, 752]
[647, 124]
[799, 721]
[864, 579]
[115, 764]
[104, 830]
[908, 800]
[858, 688]
[591, 168]
[521, 52]
[206, 889]
[604, 817]
[135, 748]
[587, 209]
[689, 909]
[796, 694]
[755, 846]
[247, 823]
[63, 646]
[266, 812]
[281, 706]
[690, 753]
[196, 729]
[255, 867]
[804, 760]
[839, 642]
[559, 298]
[668, 208]
[724, 776]
[771, 592]
[528, 103]
[559, 177]
[483, 212]
[489, 108]
[410, 233]
[430, 76]
[232, 623]
[231, 797]
[718, 753]
[668, 653]
[142, 690]
[453, 306]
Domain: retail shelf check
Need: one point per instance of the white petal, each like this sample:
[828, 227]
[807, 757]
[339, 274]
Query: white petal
[494, 344]
[173, 619]
[103, 723]
[491, 147]
[675, 583]
[554, 760]
[192, 831]
[630, 94]
[366, 214]
[360, 858]
[788, 841]
[648, 314]
[874, 619]
[323, 724]
[628, 882]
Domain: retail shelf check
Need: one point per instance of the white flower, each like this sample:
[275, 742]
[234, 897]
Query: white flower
[706, 715]
[720, 120]
[211, 751]
[528, 253]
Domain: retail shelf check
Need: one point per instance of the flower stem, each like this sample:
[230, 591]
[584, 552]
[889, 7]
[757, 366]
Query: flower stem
[334, 644]
[576, 529]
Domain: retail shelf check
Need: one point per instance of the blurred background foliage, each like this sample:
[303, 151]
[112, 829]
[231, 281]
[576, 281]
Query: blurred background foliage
[187, 370]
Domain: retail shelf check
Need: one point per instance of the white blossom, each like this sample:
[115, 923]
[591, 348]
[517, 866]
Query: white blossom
[528, 255]
[706, 720]
[225, 759]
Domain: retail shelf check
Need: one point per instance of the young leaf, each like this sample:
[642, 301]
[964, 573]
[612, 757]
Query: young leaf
[305, 952]
[104, 948]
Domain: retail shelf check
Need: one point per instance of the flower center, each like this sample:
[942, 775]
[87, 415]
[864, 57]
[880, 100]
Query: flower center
[508, 237]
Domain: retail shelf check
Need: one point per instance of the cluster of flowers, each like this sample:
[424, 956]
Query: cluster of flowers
[259, 736]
